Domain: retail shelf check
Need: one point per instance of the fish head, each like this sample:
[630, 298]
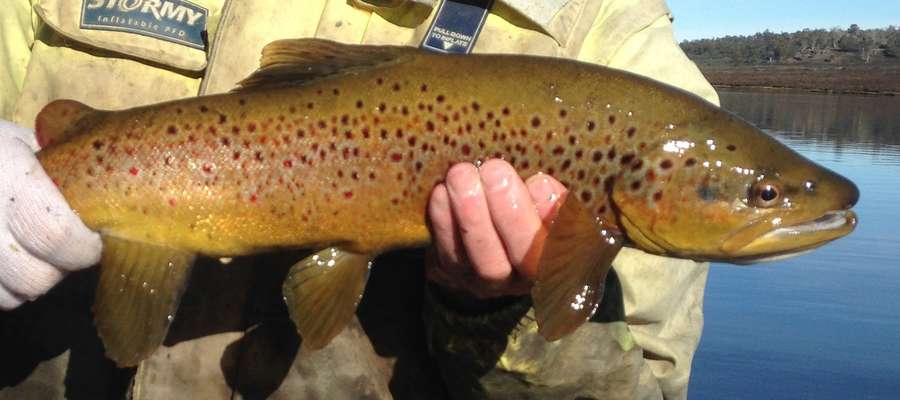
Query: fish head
[725, 191]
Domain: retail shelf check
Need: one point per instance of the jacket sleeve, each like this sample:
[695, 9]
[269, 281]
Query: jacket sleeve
[16, 37]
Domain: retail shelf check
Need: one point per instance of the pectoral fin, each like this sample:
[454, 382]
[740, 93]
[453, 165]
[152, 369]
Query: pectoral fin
[576, 257]
[322, 291]
[137, 296]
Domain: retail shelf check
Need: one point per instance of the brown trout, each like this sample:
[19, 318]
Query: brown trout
[337, 147]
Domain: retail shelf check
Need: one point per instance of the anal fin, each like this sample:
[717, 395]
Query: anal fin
[137, 296]
[322, 292]
[577, 255]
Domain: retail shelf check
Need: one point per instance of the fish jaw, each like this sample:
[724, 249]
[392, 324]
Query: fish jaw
[782, 240]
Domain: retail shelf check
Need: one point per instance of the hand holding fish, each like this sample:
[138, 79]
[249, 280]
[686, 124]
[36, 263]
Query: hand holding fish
[41, 237]
[484, 221]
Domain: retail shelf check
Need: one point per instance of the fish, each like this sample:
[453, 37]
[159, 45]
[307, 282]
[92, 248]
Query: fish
[335, 148]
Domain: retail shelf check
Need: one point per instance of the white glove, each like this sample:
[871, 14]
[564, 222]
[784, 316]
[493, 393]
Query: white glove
[41, 238]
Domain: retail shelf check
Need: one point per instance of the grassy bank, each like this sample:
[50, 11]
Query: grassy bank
[860, 78]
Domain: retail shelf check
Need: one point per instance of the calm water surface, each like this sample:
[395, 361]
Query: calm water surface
[824, 325]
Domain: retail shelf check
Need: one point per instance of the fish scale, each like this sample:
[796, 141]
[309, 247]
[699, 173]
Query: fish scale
[338, 147]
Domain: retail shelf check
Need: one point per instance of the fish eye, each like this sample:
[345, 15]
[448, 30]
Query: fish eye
[765, 194]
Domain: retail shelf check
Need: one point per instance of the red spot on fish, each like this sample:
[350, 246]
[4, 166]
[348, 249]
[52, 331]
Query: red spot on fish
[591, 125]
[635, 185]
[631, 131]
[411, 140]
[586, 196]
[133, 170]
[598, 156]
[288, 163]
[242, 102]
[97, 144]
[203, 109]
[657, 196]
[253, 198]
[424, 87]
[505, 111]
[626, 159]
[335, 91]
[562, 113]
[466, 149]
[535, 122]
[251, 127]
[379, 80]
[348, 194]
[396, 157]
[172, 130]
[207, 168]
[612, 119]
[172, 202]
[566, 164]
[665, 164]
[690, 162]
[439, 98]
[222, 119]
[558, 150]
[731, 147]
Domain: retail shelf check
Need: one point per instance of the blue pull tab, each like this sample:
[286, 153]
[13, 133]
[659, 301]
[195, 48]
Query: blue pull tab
[456, 26]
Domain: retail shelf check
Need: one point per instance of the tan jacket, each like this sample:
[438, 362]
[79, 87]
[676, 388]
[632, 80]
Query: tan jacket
[231, 337]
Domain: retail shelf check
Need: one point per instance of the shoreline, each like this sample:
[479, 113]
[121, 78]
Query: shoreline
[863, 79]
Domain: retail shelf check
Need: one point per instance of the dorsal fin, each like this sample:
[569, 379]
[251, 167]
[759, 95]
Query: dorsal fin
[57, 121]
[296, 61]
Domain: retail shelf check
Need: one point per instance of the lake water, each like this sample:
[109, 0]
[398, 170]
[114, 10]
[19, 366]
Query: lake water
[824, 325]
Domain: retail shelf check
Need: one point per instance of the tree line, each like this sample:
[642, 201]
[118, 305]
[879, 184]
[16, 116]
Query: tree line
[835, 45]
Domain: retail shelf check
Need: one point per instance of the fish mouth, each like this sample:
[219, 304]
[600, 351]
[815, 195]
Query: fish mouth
[796, 239]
